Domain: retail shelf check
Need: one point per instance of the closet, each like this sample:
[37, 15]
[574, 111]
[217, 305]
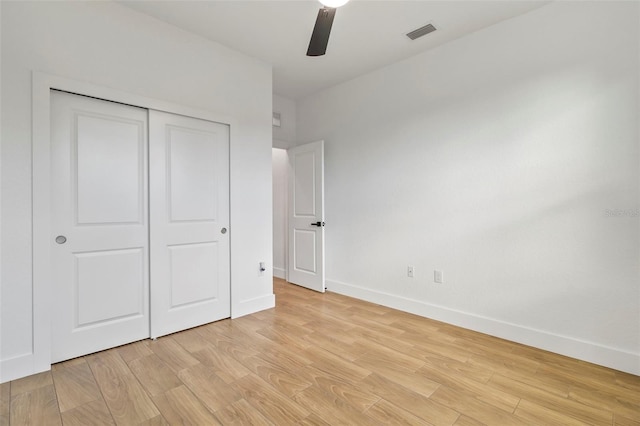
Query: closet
[140, 218]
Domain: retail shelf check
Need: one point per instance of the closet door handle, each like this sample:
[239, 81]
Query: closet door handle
[319, 224]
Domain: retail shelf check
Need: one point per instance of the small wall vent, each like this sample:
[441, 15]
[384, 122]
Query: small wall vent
[429, 28]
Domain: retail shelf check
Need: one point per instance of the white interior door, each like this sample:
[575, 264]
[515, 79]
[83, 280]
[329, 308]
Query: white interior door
[306, 216]
[99, 249]
[190, 265]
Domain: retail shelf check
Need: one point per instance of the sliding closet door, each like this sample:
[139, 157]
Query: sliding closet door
[189, 204]
[99, 245]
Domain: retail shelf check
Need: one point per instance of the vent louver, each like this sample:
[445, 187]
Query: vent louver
[429, 28]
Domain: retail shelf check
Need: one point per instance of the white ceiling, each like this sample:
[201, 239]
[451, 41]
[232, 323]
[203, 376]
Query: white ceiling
[366, 34]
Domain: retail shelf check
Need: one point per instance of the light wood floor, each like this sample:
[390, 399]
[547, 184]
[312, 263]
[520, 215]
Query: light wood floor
[323, 359]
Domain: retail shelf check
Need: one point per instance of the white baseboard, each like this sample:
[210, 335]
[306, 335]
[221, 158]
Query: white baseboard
[251, 306]
[279, 273]
[586, 351]
[20, 366]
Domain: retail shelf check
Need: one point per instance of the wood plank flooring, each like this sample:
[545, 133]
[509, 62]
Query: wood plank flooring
[323, 359]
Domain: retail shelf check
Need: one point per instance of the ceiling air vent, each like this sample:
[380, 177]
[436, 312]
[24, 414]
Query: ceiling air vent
[429, 28]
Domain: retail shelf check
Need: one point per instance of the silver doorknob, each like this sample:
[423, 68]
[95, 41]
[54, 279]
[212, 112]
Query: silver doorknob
[61, 239]
[223, 230]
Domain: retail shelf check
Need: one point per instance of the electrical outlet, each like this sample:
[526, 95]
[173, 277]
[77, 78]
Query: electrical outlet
[410, 271]
[437, 277]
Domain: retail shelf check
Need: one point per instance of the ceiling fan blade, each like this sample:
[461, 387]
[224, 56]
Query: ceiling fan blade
[321, 31]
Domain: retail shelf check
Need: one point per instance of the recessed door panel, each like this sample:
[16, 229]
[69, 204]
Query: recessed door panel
[304, 196]
[191, 265]
[99, 244]
[108, 159]
[192, 174]
[110, 286]
[305, 250]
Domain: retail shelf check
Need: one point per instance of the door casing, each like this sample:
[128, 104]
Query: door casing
[42, 84]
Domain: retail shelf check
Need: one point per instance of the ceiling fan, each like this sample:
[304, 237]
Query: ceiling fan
[322, 29]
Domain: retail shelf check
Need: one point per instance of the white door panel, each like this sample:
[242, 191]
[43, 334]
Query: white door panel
[100, 276]
[190, 269]
[115, 234]
[306, 216]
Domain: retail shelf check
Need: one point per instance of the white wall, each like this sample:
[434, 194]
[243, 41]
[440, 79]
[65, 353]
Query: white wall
[495, 159]
[280, 193]
[284, 136]
[110, 45]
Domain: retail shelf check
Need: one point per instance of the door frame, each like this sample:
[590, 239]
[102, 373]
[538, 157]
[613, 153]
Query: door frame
[286, 212]
[42, 84]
